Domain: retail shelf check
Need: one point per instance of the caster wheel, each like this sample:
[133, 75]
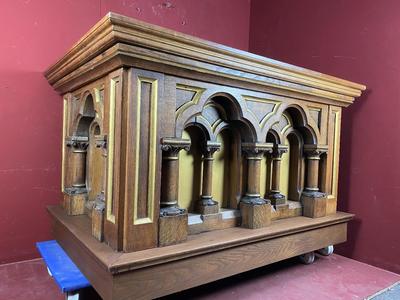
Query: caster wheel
[307, 258]
[326, 251]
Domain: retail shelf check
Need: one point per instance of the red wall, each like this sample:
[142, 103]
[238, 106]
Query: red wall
[34, 34]
[358, 40]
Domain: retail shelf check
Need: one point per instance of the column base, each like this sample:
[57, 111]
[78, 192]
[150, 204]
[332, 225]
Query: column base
[314, 204]
[206, 205]
[98, 221]
[255, 215]
[277, 198]
[74, 201]
[254, 200]
[173, 229]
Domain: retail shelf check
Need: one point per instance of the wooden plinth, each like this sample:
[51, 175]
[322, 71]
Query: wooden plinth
[208, 210]
[314, 207]
[255, 216]
[74, 204]
[203, 258]
[172, 229]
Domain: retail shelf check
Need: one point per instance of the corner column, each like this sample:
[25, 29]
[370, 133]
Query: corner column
[173, 223]
[314, 201]
[255, 211]
[275, 194]
[207, 205]
[76, 195]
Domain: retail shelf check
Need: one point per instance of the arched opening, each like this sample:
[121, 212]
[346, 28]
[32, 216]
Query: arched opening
[190, 169]
[292, 133]
[87, 116]
[293, 161]
[225, 175]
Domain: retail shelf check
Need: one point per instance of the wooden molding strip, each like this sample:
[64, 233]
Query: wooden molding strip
[195, 245]
[114, 28]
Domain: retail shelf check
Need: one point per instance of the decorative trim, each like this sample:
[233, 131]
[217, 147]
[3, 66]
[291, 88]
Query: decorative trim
[115, 31]
[152, 151]
[256, 150]
[314, 151]
[336, 150]
[64, 135]
[278, 151]
[173, 145]
[264, 120]
[198, 93]
[111, 142]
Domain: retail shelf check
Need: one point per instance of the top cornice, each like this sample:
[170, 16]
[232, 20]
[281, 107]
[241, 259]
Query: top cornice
[117, 35]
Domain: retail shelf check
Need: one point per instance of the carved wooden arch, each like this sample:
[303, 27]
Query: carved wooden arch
[238, 115]
[84, 116]
[305, 123]
[203, 126]
[276, 137]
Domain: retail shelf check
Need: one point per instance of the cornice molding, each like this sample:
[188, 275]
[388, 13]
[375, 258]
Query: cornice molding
[191, 53]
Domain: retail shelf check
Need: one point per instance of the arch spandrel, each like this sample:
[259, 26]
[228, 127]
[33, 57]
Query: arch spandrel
[237, 113]
[302, 120]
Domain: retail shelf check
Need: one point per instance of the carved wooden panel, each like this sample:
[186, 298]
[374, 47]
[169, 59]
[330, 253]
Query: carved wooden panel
[143, 160]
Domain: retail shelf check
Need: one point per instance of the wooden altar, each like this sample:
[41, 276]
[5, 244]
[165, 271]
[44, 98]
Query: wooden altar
[185, 161]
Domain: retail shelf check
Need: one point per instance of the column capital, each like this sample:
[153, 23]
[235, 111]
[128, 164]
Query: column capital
[314, 151]
[278, 150]
[101, 141]
[79, 143]
[256, 150]
[174, 145]
[209, 148]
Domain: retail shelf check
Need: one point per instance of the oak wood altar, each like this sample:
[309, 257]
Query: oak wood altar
[185, 161]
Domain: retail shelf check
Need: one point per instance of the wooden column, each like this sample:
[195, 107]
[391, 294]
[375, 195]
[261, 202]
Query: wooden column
[255, 211]
[75, 196]
[173, 219]
[314, 201]
[99, 206]
[275, 194]
[206, 204]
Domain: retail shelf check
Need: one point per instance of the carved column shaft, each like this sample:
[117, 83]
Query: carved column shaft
[312, 176]
[208, 152]
[276, 172]
[275, 194]
[276, 156]
[253, 176]
[170, 174]
[313, 153]
[207, 175]
[254, 153]
[314, 202]
[206, 204]
[78, 160]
